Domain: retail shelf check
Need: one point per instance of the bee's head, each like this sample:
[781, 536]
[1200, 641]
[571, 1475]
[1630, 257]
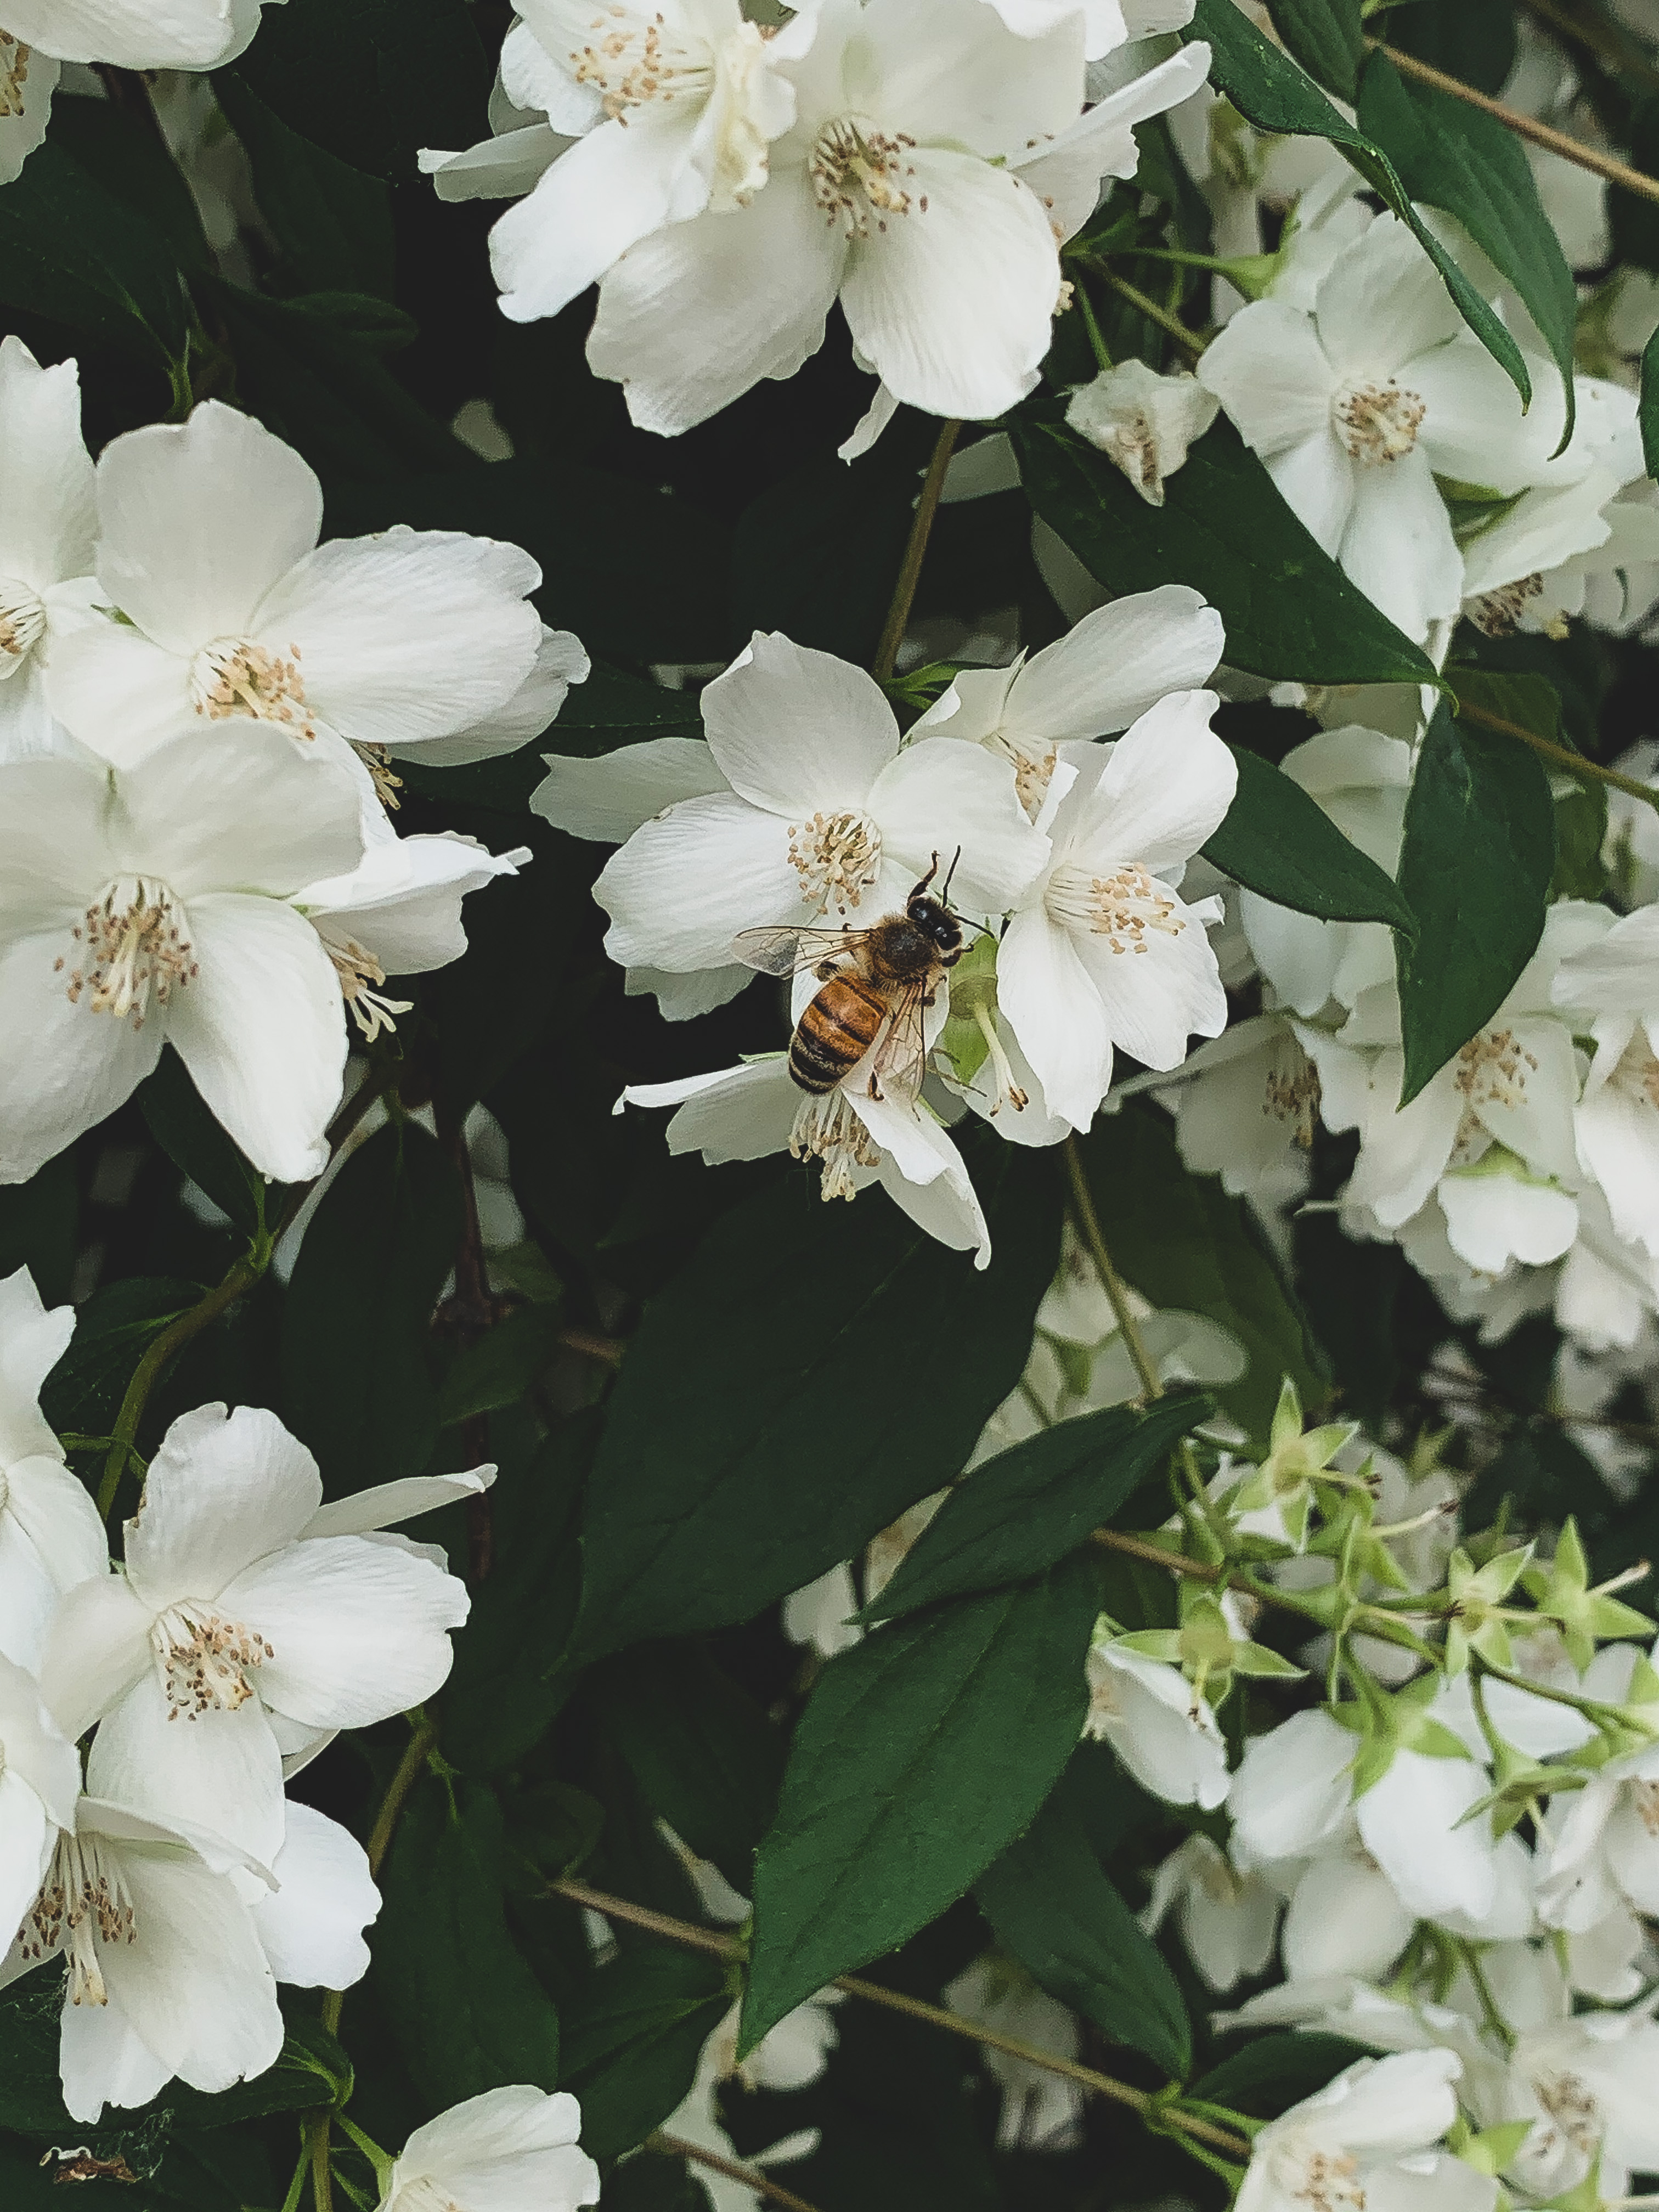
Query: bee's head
[932, 916]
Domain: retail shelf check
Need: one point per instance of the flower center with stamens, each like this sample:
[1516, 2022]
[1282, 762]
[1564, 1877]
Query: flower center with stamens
[1644, 1796]
[361, 975]
[1122, 907]
[129, 949]
[1034, 768]
[1637, 1073]
[84, 1903]
[13, 74]
[234, 675]
[828, 1129]
[1490, 1070]
[858, 175]
[837, 858]
[425, 2194]
[1377, 422]
[1497, 613]
[632, 61]
[22, 613]
[204, 1660]
[1572, 2107]
[1326, 2180]
[1292, 1090]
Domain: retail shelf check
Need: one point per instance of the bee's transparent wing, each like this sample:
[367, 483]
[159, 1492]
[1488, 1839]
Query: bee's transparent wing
[786, 952]
[900, 1057]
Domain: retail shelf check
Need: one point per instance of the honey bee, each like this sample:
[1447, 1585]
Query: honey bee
[877, 984]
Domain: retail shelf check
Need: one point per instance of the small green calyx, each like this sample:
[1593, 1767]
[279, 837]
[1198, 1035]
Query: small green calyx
[1585, 1616]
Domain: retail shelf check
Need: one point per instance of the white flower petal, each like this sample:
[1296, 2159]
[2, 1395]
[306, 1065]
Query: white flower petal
[1166, 789]
[48, 512]
[935, 801]
[312, 1924]
[686, 884]
[795, 729]
[607, 799]
[223, 1490]
[1269, 371]
[221, 1767]
[1116, 664]
[79, 1067]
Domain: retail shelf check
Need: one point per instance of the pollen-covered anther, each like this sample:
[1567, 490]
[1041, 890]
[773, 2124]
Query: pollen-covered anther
[22, 613]
[628, 62]
[360, 976]
[1572, 2107]
[129, 949]
[235, 675]
[1499, 613]
[1034, 768]
[1124, 908]
[13, 73]
[84, 1903]
[204, 1660]
[829, 1129]
[386, 780]
[1292, 1093]
[1324, 2180]
[858, 175]
[1377, 422]
[837, 858]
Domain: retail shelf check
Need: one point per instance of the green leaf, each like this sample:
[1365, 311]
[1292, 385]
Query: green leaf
[705, 1756]
[632, 2039]
[1475, 42]
[816, 554]
[1032, 1504]
[1476, 866]
[312, 2071]
[921, 1755]
[122, 149]
[1325, 38]
[1650, 405]
[1224, 529]
[113, 1331]
[772, 1415]
[508, 1682]
[73, 252]
[374, 81]
[332, 222]
[1270, 92]
[1273, 2073]
[1278, 841]
[500, 1366]
[355, 1386]
[1181, 1242]
[467, 2012]
[1468, 164]
[185, 1126]
[1053, 1906]
[40, 1227]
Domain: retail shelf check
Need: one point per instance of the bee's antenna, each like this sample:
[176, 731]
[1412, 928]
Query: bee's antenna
[944, 895]
[928, 877]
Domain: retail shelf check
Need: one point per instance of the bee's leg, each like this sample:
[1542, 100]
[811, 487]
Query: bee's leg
[875, 1090]
[930, 999]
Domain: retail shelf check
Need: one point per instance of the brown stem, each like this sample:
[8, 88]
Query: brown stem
[910, 575]
[1586, 770]
[1524, 126]
[1088, 1227]
[379, 1836]
[728, 1947]
[465, 1317]
[750, 2176]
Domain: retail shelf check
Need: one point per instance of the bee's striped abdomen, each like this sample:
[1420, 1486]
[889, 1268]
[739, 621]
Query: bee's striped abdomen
[834, 1032]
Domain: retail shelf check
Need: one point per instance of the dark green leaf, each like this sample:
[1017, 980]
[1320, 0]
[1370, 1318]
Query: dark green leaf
[1270, 92]
[1225, 530]
[113, 1331]
[39, 1222]
[1052, 1905]
[1650, 405]
[922, 1754]
[1476, 866]
[185, 1128]
[1278, 841]
[312, 2071]
[355, 1386]
[73, 252]
[31, 2093]
[632, 2041]
[468, 2013]
[1181, 1242]
[500, 1366]
[1635, 221]
[121, 149]
[1474, 41]
[1269, 2075]
[1456, 158]
[332, 222]
[1325, 38]
[374, 81]
[705, 1756]
[508, 1682]
[816, 554]
[772, 1415]
[1029, 1506]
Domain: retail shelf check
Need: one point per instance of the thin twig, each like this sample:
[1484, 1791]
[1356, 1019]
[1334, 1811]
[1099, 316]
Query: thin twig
[608, 1349]
[728, 1947]
[466, 1318]
[322, 2176]
[750, 2176]
[915, 552]
[1524, 126]
[172, 1339]
[1586, 770]
[1603, 38]
[1149, 307]
[1088, 1225]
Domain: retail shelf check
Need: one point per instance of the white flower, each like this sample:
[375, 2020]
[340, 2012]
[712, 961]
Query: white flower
[1344, 1916]
[1101, 953]
[48, 521]
[1356, 406]
[311, 1914]
[1042, 2110]
[50, 1536]
[1227, 1917]
[245, 1623]
[935, 162]
[150, 907]
[1369, 2136]
[1588, 2085]
[1617, 1120]
[1108, 24]
[1143, 423]
[745, 1113]
[1164, 1732]
[826, 818]
[137, 34]
[1114, 666]
[1601, 1849]
[29, 79]
[399, 912]
[503, 2151]
[1245, 1106]
[691, 96]
[39, 1782]
[207, 546]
